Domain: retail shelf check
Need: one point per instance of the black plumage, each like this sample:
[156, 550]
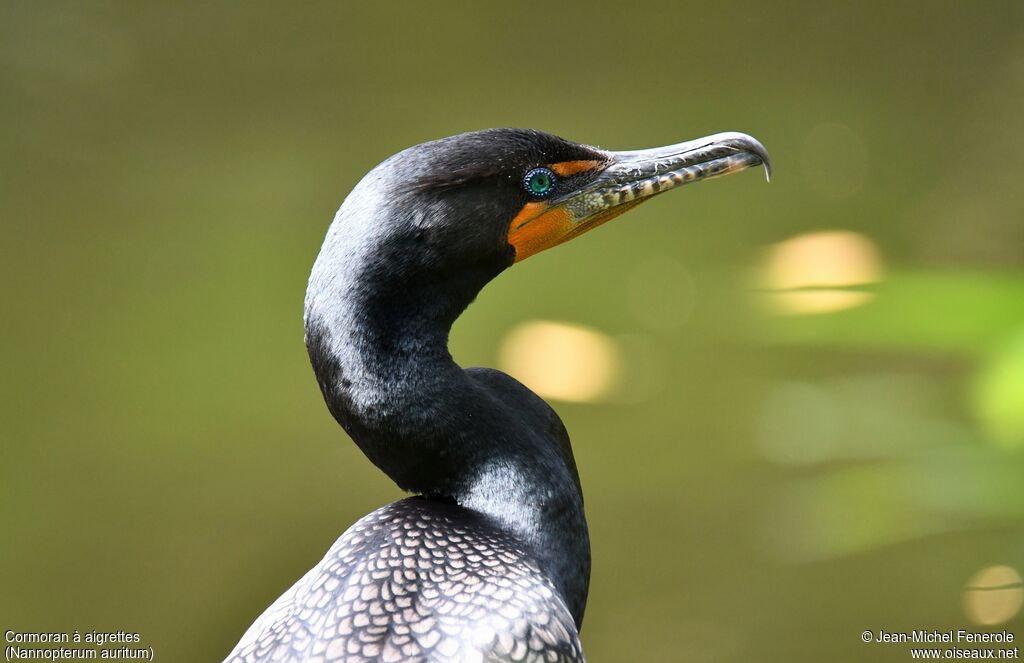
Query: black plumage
[492, 561]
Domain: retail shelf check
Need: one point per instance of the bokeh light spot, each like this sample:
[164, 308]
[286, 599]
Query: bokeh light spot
[806, 302]
[821, 259]
[804, 274]
[993, 595]
[562, 361]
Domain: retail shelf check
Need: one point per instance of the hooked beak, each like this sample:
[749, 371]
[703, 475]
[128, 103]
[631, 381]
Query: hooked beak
[627, 179]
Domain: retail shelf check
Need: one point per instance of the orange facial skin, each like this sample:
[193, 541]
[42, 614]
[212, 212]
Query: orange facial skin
[567, 168]
[539, 225]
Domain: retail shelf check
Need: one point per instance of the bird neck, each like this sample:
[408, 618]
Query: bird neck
[477, 437]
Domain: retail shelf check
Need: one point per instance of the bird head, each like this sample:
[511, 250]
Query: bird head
[478, 202]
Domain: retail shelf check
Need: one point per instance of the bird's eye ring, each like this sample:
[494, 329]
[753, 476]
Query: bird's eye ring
[539, 182]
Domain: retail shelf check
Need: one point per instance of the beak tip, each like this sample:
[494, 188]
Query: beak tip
[761, 152]
[746, 143]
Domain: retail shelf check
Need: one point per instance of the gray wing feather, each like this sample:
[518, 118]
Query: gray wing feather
[417, 581]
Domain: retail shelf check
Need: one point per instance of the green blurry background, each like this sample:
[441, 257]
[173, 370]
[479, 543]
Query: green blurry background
[771, 468]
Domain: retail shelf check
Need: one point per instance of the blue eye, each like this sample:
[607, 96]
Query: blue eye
[539, 182]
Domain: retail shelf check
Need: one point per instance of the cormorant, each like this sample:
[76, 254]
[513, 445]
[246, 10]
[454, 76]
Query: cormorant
[490, 561]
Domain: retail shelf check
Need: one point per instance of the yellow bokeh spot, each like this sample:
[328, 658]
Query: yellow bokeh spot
[993, 595]
[804, 302]
[562, 361]
[811, 273]
[822, 259]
